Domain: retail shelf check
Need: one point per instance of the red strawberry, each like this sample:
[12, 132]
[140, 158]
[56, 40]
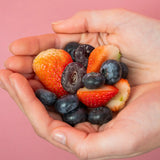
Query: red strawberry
[96, 97]
[118, 102]
[100, 55]
[49, 66]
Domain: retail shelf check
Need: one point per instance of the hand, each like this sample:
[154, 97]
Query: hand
[135, 130]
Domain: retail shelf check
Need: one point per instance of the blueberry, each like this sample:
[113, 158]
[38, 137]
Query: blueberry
[70, 48]
[72, 77]
[93, 80]
[66, 104]
[76, 116]
[124, 70]
[111, 70]
[82, 53]
[46, 97]
[100, 115]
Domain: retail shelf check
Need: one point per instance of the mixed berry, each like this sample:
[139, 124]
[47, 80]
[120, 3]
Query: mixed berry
[82, 53]
[100, 115]
[70, 48]
[124, 70]
[82, 83]
[72, 77]
[46, 97]
[66, 104]
[76, 116]
[93, 80]
[112, 71]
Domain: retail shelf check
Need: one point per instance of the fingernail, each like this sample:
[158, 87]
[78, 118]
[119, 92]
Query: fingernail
[59, 137]
[58, 22]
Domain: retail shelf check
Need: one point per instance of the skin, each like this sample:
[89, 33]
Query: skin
[135, 130]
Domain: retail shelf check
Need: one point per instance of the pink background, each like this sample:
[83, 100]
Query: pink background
[33, 17]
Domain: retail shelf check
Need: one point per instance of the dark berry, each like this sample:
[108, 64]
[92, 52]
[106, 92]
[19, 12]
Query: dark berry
[100, 115]
[111, 70]
[76, 116]
[124, 70]
[66, 104]
[82, 53]
[72, 77]
[70, 48]
[46, 97]
[93, 80]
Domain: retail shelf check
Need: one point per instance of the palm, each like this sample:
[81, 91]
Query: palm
[130, 122]
[133, 129]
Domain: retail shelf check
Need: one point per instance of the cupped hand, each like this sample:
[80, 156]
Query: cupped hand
[135, 129]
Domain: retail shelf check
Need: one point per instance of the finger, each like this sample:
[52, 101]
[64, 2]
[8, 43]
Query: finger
[35, 44]
[92, 21]
[107, 144]
[20, 64]
[42, 123]
[28, 75]
[6, 84]
[55, 115]
[35, 84]
[32, 107]
[87, 127]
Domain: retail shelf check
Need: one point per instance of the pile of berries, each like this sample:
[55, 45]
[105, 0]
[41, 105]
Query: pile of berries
[82, 83]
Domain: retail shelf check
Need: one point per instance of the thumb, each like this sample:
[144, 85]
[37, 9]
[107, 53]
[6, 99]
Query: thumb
[106, 144]
[92, 21]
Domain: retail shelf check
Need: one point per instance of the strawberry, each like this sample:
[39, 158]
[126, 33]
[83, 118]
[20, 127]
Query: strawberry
[96, 97]
[118, 102]
[49, 66]
[100, 55]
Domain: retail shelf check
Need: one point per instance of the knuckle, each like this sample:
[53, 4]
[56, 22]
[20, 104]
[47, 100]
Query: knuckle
[81, 152]
[120, 10]
[14, 75]
[132, 147]
[82, 13]
[40, 133]
[43, 131]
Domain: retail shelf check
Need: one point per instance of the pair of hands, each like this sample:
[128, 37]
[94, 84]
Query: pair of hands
[135, 130]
